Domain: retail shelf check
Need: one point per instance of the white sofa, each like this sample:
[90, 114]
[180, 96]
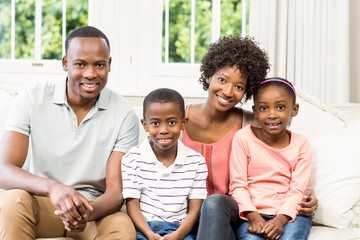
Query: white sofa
[336, 177]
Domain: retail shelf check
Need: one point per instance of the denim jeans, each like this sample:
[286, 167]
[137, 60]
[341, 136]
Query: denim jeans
[163, 228]
[299, 229]
[219, 218]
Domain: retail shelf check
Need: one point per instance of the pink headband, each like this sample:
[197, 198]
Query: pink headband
[281, 81]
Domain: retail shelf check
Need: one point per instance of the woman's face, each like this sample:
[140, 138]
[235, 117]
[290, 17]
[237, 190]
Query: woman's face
[226, 88]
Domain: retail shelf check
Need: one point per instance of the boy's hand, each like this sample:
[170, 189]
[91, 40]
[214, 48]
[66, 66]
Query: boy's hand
[171, 236]
[154, 236]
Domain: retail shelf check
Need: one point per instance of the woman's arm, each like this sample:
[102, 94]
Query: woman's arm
[309, 204]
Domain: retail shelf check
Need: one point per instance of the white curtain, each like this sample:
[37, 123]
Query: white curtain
[308, 42]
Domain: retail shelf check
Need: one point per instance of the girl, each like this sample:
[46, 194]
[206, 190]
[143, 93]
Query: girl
[270, 167]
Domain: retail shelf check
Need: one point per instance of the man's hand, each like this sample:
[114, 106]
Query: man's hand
[72, 207]
[78, 227]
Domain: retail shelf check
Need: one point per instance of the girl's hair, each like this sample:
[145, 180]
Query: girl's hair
[242, 52]
[277, 81]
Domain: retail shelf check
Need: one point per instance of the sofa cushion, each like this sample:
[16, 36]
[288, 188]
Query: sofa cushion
[328, 233]
[355, 223]
[315, 118]
[336, 175]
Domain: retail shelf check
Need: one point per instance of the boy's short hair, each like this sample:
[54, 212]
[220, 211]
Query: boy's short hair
[164, 95]
[86, 32]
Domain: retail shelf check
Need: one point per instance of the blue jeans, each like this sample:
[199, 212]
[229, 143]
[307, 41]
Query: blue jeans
[299, 229]
[219, 218]
[164, 228]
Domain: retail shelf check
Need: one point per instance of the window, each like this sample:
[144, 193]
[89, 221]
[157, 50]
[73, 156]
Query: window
[174, 35]
[189, 26]
[155, 43]
[36, 29]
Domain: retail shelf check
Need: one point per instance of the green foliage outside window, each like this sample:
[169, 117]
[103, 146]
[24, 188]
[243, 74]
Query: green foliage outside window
[51, 42]
[180, 27]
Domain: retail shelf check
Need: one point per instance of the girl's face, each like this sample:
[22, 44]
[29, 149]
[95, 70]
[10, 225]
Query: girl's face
[273, 109]
[226, 88]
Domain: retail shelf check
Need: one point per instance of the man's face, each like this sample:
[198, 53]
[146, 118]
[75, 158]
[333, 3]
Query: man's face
[87, 63]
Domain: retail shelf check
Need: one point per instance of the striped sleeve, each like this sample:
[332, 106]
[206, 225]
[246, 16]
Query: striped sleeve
[198, 190]
[128, 169]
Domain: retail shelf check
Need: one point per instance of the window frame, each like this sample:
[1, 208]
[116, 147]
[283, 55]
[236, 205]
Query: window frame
[32, 67]
[136, 45]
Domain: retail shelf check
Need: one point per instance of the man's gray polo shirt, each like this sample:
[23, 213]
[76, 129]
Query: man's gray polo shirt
[73, 154]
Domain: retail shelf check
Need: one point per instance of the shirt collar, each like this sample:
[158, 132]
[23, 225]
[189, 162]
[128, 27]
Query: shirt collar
[150, 157]
[60, 95]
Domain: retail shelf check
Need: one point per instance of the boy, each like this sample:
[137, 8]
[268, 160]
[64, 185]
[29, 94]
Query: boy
[164, 181]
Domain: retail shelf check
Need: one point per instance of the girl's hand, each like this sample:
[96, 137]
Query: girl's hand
[274, 228]
[256, 222]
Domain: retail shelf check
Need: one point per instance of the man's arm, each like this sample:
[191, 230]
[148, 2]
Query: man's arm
[13, 152]
[112, 200]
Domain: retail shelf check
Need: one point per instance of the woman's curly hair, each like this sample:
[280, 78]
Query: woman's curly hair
[242, 52]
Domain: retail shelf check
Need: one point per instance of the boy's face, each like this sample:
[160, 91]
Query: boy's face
[87, 63]
[163, 122]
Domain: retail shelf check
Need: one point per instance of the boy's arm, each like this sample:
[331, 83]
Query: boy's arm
[189, 221]
[133, 210]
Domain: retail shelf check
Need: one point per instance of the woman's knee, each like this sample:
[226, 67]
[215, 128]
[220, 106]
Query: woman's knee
[213, 201]
[218, 203]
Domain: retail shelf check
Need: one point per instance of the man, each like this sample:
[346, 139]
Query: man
[78, 131]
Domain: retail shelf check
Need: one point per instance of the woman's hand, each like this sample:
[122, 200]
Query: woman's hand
[309, 204]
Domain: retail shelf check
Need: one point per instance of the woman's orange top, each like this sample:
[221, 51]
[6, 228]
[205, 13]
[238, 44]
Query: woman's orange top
[217, 155]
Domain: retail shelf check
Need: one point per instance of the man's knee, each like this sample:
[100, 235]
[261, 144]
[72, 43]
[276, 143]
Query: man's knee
[11, 199]
[118, 223]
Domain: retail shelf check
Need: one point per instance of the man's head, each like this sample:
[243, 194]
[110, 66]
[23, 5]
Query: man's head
[85, 32]
[87, 63]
